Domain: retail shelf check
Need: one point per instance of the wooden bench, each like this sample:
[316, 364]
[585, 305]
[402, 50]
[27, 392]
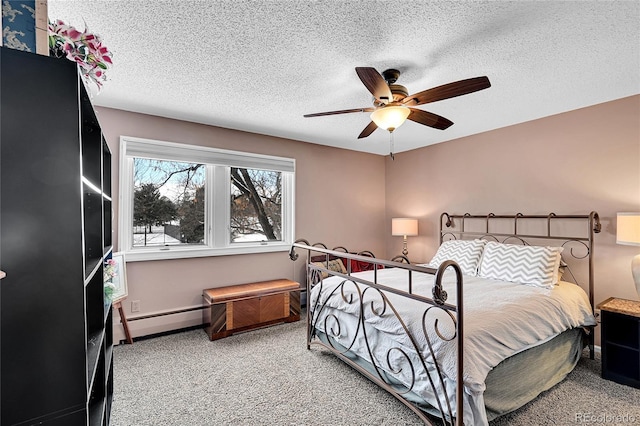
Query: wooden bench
[247, 306]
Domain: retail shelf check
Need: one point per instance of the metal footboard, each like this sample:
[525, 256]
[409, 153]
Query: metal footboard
[397, 368]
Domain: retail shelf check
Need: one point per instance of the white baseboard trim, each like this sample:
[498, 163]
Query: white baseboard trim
[157, 322]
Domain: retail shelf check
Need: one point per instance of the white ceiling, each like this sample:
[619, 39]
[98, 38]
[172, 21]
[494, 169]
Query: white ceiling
[258, 66]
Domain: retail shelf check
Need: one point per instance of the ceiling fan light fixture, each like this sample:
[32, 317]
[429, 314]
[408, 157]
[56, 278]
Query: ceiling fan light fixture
[390, 117]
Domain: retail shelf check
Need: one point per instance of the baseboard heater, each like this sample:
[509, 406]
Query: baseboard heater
[162, 314]
[153, 325]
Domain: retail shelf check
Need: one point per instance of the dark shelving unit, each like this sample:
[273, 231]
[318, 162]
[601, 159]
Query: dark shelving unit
[56, 352]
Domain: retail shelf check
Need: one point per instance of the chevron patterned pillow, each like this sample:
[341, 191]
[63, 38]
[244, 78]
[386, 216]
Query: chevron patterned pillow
[466, 253]
[531, 265]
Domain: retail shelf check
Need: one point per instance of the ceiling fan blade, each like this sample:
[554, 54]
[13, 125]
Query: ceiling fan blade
[447, 91]
[371, 127]
[374, 82]
[343, 111]
[429, 119]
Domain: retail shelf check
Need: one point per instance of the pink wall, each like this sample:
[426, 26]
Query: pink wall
[571, 163]
[324, 176]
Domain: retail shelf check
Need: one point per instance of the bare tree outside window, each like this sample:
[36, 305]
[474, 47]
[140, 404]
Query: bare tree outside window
[169, 204]
[168, 207]
[256, 205]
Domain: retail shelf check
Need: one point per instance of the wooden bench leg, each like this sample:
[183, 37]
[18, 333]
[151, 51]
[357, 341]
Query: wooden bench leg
[123, 320]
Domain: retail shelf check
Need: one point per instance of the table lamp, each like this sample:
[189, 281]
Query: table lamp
[404, 227]
[629, 234]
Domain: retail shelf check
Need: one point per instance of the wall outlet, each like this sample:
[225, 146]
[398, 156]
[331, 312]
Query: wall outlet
[135, 306]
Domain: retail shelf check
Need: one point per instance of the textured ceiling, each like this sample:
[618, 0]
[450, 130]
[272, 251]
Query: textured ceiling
[258, 66]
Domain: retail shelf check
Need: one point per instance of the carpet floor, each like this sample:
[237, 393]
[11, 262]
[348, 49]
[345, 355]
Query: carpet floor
[268, 377]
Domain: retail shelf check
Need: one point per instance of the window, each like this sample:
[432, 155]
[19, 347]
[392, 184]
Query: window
[168, 203]
[256, 205]
[190, 201]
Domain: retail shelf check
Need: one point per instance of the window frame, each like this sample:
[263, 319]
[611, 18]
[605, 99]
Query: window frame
[218, 163]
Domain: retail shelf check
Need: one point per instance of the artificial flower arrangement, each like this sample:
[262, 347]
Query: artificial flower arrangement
[110, 272]
[84, 48]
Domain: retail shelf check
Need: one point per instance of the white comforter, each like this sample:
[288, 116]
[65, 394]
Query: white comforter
[500, 320]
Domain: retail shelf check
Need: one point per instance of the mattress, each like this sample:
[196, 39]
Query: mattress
[502, 319]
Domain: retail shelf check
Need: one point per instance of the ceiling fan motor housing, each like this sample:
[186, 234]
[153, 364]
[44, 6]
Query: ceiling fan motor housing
[398, 91]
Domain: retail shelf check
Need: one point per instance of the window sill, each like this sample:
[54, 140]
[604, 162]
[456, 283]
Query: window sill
[173, 252]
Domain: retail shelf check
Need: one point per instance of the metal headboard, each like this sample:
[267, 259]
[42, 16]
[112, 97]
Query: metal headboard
[449, 223]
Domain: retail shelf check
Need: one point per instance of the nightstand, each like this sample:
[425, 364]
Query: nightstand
[620, 341]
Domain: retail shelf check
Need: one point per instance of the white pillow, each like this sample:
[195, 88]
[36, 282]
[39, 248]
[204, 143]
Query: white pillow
[530, 265]
[466, 253]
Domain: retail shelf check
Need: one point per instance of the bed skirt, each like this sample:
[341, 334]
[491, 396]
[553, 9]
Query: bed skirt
[516, 380]
[522, 377]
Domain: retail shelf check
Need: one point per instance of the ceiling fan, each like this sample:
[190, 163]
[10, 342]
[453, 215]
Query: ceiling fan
[392, 104]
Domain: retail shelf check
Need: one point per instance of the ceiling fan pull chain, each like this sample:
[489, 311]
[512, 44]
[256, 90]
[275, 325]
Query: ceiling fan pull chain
[391, 145]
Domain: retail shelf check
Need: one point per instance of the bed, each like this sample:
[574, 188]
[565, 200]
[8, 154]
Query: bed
[494, 309]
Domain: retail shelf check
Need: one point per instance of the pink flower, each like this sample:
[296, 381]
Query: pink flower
[82, 47]
[74, 34]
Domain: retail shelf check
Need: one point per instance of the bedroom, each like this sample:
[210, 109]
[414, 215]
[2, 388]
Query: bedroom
[580, 159]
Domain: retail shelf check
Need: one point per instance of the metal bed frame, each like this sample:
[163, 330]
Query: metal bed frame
[372, 299]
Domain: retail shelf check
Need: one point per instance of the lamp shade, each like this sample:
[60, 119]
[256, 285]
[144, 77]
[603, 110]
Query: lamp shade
[403, 226]
[390, 117]
[628, 229]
